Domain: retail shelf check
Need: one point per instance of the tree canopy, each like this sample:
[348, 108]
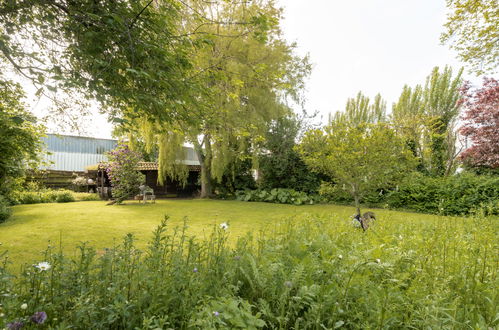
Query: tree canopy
[472, 29]
[481, 124]
[362, 158]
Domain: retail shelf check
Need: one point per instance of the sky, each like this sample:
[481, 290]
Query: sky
[373, 46]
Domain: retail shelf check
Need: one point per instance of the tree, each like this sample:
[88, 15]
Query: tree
[426, 118]
[363, 158]
[472, 29]
[126, 54]
[481, 124]
[20, 144]
[243, 70]
[359, 110]
[123, 174]
[280, 164]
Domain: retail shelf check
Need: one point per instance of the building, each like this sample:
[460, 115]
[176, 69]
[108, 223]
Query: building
[74, 154]
[67, 157]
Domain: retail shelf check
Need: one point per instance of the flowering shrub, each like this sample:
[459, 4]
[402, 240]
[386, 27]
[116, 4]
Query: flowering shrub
[122, 171]
[295, 275]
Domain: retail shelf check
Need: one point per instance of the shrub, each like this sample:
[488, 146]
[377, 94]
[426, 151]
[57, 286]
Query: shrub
[277, 195]
[48, 196]
[29, 197]
[65, 197]
[453, 195]
[5, 210]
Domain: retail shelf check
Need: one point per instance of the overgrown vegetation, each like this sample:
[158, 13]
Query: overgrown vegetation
[298, 274]
[277, 195]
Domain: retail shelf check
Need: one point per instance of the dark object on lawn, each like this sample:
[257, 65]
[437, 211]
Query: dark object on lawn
[365, 219]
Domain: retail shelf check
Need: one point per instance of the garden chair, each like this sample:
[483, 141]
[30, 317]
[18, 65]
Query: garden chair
[146, 193]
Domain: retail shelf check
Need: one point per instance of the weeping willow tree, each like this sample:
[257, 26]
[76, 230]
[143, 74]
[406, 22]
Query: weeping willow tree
[426, 117]
[360, 110]
[243, 71]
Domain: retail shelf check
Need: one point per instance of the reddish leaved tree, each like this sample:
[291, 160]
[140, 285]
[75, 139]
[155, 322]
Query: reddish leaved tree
[481, 124]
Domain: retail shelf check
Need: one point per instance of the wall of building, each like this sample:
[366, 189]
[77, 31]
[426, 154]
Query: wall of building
[74, 153]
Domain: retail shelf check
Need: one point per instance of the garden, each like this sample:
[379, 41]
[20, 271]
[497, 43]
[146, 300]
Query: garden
[222, 201]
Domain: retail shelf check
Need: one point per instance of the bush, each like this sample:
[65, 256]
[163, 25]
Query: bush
[277, 195]
[454, 195]
[300, 274]
[29, 197]
[65, 197]
[5, 210]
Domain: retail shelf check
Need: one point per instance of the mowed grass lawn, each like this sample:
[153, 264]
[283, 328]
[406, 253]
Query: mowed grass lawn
[32, 228]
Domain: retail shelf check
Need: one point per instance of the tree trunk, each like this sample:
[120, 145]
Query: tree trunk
[205, 158]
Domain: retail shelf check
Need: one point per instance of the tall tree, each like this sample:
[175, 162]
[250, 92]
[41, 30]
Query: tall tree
[426, 117]
[481, 124]
[20, 144]
[363, 158]
[472, 29]
[243, 69]
[360, 110]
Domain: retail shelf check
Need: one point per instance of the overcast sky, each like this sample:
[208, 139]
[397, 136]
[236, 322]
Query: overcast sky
[375, 46]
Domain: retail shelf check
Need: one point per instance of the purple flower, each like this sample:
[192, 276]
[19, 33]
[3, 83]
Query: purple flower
[15, 325]
[216, 313]
[195, 270]
[38, 317]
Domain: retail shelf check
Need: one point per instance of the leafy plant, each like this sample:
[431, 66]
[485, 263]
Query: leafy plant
[5, 210]
[277, 195]
[65, 197]
[295, 274]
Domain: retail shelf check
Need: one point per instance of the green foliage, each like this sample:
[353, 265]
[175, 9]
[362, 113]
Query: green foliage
[122, 172]
[361, 158]
[360, 110]
[426, 117]
[277, 195]
[65, 197]
[472, 29]
[126, 54]
[5, 210]
[43, 196]
[300, 274]
[280, 165]
[20, 137]
[454, 195]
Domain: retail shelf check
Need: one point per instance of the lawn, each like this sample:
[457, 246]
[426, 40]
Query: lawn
[33, 227]
[409, 270]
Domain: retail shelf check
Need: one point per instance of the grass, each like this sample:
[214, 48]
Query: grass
[33, 227]
[312, 271]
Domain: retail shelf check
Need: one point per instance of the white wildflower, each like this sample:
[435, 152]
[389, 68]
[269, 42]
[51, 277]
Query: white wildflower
[340, 256]
[378, 261]
[24, 306]
[224, 225]
[42, 266]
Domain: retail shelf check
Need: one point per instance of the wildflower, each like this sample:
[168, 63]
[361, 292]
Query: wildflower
[15, 325]
[224, 225]
[216, 313]
[24, 306]
[378, 261]
[42, 266]
[2, 314]
[340, 256]
[288, 284]
[38, 317]
[195, 270]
